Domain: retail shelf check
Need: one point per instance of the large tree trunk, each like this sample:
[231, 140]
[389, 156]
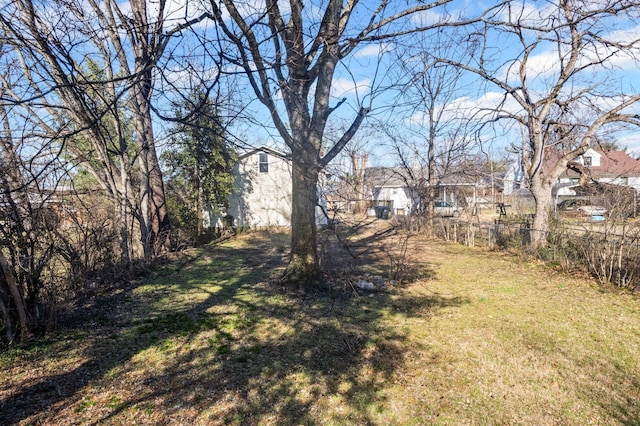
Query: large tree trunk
[122, 212]
[432, 180]
[200, 210]
[541, 189]
[303, 269]
[540, 226]
[154, 226]
[154, 208]
[8, 324]
[160, 226]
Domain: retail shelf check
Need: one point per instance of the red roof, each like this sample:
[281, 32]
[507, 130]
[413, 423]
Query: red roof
[612, 164]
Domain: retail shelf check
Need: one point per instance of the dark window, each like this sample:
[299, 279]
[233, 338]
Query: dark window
[588, 161]
[264, 163]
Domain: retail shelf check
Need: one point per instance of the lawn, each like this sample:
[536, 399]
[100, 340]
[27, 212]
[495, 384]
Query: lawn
[465, 336]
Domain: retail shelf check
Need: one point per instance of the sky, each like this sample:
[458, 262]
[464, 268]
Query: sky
[363, 76]
[370, 75]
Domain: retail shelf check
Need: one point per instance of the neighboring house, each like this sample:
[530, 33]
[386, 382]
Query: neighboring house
[391, 187]
[262, 191]
[513, 179]
[59, 206]
[398, 188]
[341, 197]
[613, 167]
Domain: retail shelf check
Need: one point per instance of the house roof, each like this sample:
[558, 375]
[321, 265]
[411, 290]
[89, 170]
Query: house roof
[400, 177]
[388, 177]
[265, 149]
[612, 164]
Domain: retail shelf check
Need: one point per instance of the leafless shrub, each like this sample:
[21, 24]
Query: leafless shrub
[86, 253]
[609, 251]
[610, 257]
[397, 254]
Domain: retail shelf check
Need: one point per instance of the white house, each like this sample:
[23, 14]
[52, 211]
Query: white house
[513, 178]
[262, 191]
[391, 187]
[397, 188]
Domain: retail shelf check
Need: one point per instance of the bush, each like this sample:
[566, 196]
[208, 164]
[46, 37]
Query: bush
[610, 257]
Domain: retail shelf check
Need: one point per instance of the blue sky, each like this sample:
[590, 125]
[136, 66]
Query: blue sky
[364, 75]
[371, 67]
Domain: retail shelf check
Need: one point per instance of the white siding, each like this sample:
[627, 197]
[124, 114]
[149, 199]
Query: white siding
[634, 182]
[263, 199]
[400, 197]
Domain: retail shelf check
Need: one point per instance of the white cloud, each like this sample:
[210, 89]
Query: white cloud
[428, 17]
[596, 58]
[374, 50]
[342, 87]
[546, 63]
[466, 108]
[529, 14]
[178, 12]
[631, 142]
[626, 35]
[538, 66]
[485, 106]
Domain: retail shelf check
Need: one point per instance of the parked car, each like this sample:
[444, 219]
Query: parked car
[582, 207]
[445, 209]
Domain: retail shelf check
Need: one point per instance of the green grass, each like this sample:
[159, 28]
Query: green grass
[474, 338]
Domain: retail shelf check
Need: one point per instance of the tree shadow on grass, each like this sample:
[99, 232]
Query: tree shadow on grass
[302, 361]
[229, 346]
[104, 333]
[248, 380]
[389, 252]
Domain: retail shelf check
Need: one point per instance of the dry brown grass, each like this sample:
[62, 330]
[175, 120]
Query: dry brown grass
[469, 337]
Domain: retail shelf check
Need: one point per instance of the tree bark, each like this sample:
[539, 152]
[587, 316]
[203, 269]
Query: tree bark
[432, 178]
[152, 187]
[160, 226]
[359, 164]
[7, 321]
[15, 293]
[200, 208]
[303, 269]
[122, 210]
[543, 201]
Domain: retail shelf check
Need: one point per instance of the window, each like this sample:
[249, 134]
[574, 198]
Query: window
[263, 162]
[588, 161]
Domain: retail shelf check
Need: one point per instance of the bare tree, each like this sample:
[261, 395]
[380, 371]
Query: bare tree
[85, 67]
[26, 241]
[292, 54]
[11, 179]
[437, 143]
[560, 83]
